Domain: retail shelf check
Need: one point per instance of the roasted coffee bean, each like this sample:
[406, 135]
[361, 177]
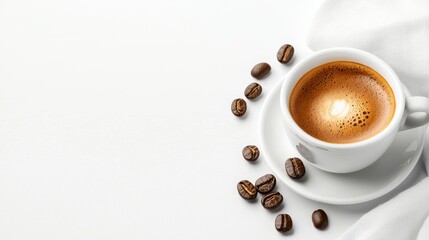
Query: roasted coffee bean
[246, 190]
[285, 53]
[238, 107]
[320, 219]
[266, 183]
[260, 70]
[283, 222]
[253, 91]
[250, 153]
[272, 200]
[294, 167]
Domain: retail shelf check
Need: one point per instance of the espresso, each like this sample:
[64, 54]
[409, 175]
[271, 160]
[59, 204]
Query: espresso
[342, 102]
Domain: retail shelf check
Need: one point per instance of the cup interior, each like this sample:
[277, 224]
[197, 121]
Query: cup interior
[341, 54]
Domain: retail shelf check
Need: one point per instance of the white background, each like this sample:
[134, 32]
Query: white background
[115, 119]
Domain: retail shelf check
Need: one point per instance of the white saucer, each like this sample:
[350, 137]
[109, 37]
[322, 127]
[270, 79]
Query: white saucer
[341, 189]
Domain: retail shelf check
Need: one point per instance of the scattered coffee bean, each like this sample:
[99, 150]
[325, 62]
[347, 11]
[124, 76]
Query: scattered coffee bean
[266, 183]
[253, 91]
[238, 107]
[260, 70]
[246, 190]
[250, 153]
[294, 167]
[272, 200]
[285, 53]
[283, 222]
[320, 219]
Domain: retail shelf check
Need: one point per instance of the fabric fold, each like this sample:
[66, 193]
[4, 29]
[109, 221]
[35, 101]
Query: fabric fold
[400, 218]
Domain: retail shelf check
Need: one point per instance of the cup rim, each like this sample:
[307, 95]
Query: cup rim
[390, 77]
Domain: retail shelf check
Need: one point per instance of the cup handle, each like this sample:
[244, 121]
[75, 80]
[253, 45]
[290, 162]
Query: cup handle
[413, 105]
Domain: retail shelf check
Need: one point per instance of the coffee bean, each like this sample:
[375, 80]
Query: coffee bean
[283, 222]
[250, 153]
[285, 53]
[320, 219]
[246, 190]
[272, 200]
[238, 107]
[266, 183]
[253, 91]
[294, 167]
[260, 70]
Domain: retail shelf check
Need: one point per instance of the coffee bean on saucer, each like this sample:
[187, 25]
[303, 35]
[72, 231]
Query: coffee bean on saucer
[238, 107]
[250, 153]
[294, 167]
[272, 200]
[253, 91]
[285, 53]
[266, 183]
[320, 219]
[246, 190]
[283, 223]
[260, 70]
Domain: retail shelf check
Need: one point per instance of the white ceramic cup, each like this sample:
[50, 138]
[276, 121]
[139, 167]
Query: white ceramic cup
[350, 157]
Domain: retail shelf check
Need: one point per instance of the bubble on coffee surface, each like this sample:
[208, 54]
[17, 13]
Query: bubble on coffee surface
[342, 102]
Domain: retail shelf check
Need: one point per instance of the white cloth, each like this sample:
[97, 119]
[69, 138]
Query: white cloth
[397, 31]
